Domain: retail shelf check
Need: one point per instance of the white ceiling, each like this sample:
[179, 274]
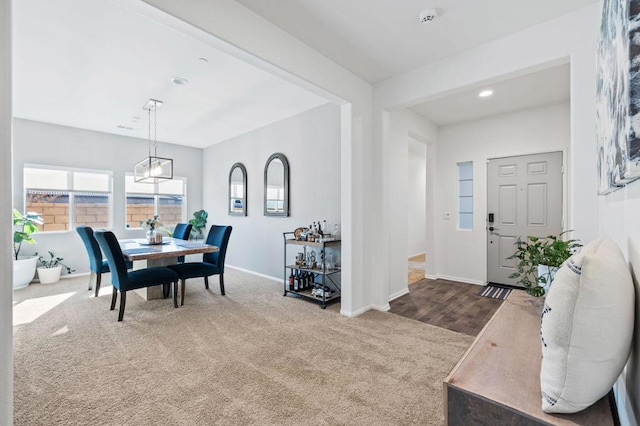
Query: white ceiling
[378, 39]
[548, 86]
[93, 65]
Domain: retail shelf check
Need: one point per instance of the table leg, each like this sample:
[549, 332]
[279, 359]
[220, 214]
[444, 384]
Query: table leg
[155, 292]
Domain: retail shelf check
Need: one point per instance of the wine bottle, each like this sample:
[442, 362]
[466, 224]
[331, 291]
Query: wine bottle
[291, 279]
[296, 281]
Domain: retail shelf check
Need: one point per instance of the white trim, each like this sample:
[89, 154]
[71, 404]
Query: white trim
[417, 254]
[357, 312]
[397, 294]
[624, 404]
[258, 274]
[384, 308]
[459, 279]
[431, 276]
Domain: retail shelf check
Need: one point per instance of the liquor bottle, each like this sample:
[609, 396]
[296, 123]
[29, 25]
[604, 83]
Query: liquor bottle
[305, 281]
[296, 282]
[291, 279]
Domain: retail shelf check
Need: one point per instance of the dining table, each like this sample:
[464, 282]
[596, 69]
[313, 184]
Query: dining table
[162, 254]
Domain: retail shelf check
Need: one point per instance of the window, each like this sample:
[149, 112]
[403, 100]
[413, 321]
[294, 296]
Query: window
[465, 195]
[66, 198]
[166, 199]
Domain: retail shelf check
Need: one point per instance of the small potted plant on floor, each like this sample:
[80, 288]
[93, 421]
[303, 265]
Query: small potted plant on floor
[539, 259]
[24, 268]
[50, 269]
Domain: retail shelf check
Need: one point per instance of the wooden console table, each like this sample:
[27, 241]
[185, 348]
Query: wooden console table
[497, 381]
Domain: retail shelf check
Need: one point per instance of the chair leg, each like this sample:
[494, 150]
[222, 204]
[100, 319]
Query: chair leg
[206, 283]
[123, 302]
[222, 284]
[114, 297]
[175, 294]
[165, 290]
[182, 292]
[92, 277]
[98, 281]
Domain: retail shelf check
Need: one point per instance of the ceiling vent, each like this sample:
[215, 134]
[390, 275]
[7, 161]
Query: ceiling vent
[428, 15]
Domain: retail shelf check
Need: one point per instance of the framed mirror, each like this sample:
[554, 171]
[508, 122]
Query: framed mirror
[238, 190]
[276, 186]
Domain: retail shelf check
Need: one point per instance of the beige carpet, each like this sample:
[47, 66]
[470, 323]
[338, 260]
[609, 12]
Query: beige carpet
[251, 357]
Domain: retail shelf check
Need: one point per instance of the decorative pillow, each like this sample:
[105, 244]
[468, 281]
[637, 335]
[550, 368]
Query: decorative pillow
[587, 327]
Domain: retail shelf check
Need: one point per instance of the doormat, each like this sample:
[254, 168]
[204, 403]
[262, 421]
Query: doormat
[495, 292]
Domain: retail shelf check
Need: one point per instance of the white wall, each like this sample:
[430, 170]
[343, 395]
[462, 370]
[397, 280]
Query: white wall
[311, 143]
[6, 269]
[52, 145]
[405, 126]
[619, 220]
[529, 131]
[417, 199]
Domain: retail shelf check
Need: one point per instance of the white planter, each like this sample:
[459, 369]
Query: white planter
[49, 275]
[23, 271]
[548, 272]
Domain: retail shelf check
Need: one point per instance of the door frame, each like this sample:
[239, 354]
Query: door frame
[565, 194]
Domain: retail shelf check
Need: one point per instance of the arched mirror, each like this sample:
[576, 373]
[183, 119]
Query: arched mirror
[238, 190]
[276, 186]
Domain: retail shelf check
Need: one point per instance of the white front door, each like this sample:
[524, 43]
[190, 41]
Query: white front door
[524, 197]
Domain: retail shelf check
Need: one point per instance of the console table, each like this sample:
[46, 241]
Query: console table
[497, 381]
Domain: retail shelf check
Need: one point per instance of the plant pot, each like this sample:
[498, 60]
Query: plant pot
[49, 275]
[23, 271]
[548, 272]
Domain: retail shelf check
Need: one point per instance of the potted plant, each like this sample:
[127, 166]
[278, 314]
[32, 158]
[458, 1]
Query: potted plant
[50, 269]
[539, 259]
[199, 222]
[24, 269]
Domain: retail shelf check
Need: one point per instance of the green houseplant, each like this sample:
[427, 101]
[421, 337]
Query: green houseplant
[199, 222]
[539, 259]
[50, 268]
[24, 225]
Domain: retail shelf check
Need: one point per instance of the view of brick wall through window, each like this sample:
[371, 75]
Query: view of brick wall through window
[56, 216]
[169, 215]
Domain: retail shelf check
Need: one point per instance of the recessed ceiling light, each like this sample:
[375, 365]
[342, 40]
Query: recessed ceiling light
[203, 59]
[485, 93]
[179, 80]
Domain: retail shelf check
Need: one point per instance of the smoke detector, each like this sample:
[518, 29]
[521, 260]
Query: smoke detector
[428, 15]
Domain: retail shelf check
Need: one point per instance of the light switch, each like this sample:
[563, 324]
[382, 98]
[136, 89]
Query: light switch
[446, 216]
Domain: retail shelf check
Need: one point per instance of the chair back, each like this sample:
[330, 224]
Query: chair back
[109, 245]
[93, 249]
[182, 231]
[218, 236]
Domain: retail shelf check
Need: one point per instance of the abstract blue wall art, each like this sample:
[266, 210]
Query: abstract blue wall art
[618, 95]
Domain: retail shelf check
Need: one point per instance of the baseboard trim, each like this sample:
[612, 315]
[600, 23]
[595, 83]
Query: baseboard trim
[257, 274]
[397, 294]
[66, 277]
[624, 405]
[356, 312]
[459, 279]
[431, 276]
[384, 308]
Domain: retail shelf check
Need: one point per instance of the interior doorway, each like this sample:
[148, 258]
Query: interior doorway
[417, 210]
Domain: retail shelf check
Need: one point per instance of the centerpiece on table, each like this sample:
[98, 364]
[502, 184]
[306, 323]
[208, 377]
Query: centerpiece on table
[154, 235]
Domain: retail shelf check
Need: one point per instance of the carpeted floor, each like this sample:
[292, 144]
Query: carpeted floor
[250, 357]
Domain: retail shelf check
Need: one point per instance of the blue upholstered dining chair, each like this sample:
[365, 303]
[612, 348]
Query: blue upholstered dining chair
[124, 281]
[97, 264]
[212, 263]
[182, 232]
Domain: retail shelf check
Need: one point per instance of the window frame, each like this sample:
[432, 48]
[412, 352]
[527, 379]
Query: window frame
[72, 192]
[459, 180]
[156, 197]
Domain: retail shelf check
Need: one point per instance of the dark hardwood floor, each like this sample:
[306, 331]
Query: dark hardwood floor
[447, 304]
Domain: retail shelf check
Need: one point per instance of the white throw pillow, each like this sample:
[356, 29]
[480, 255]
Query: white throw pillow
[587, 327]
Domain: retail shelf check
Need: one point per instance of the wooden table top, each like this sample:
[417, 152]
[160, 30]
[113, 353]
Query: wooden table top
[139, 248]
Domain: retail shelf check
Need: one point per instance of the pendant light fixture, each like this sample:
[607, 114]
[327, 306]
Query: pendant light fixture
[153, 169]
